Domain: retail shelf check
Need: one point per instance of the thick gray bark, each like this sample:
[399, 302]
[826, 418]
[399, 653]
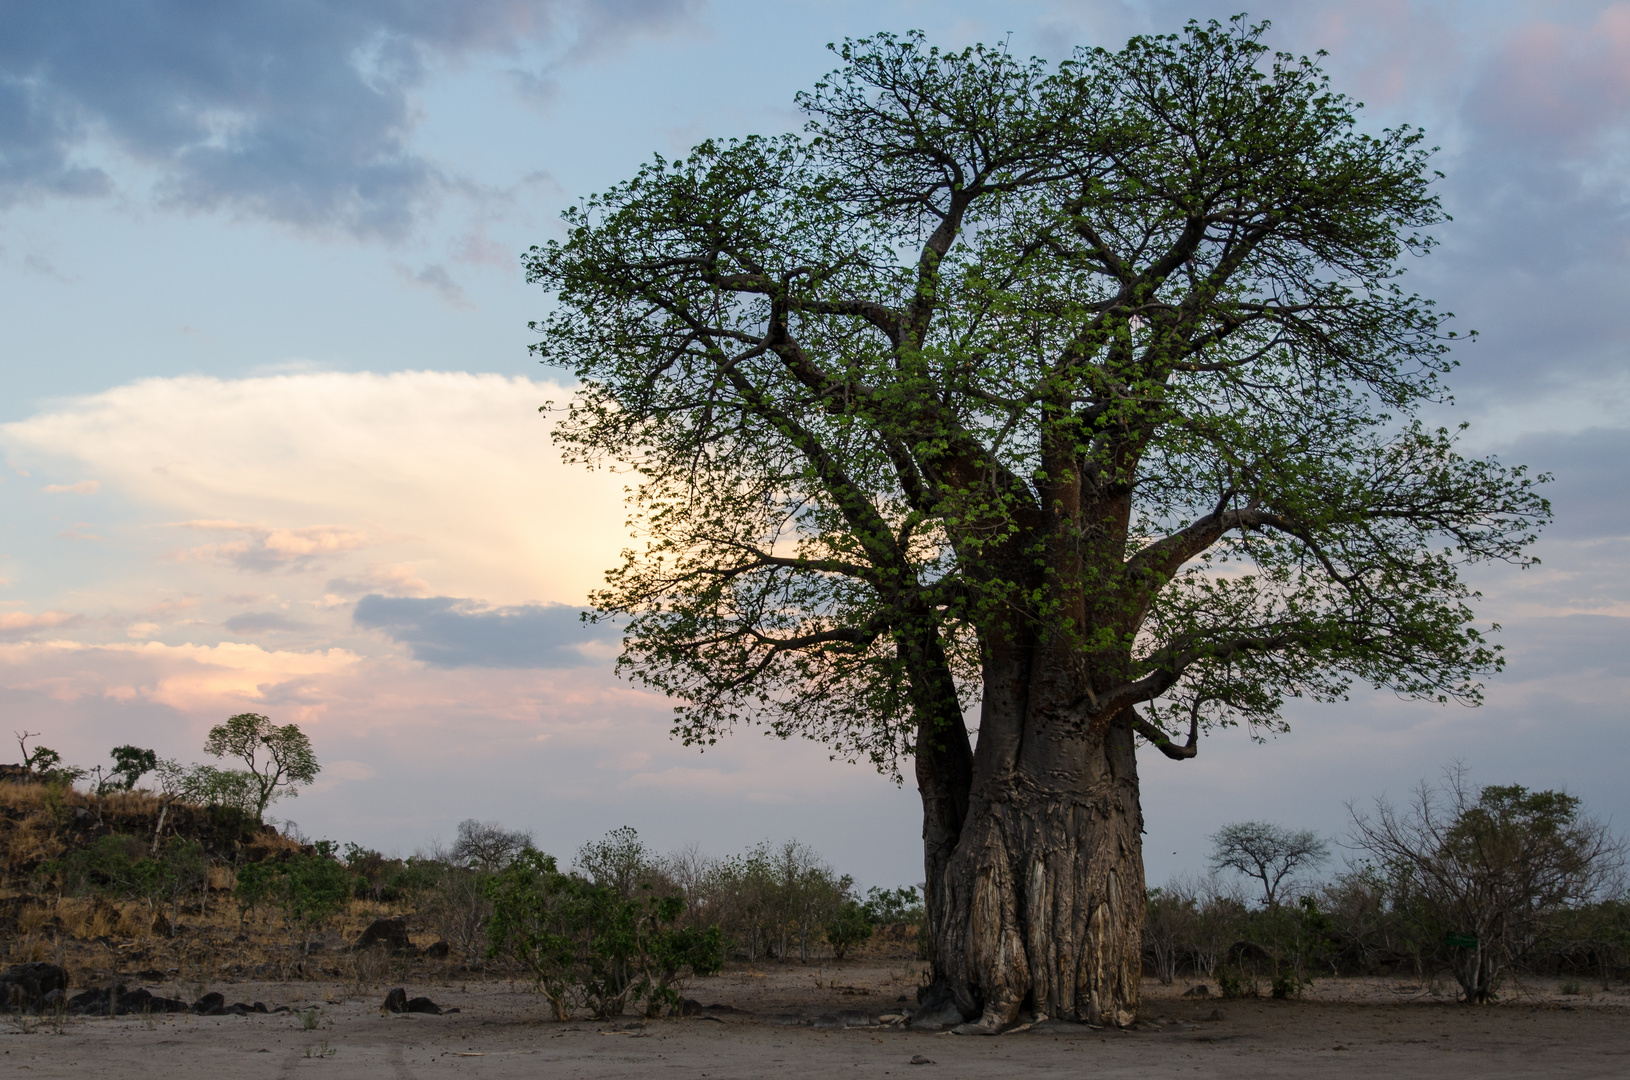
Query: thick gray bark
[1041, 905]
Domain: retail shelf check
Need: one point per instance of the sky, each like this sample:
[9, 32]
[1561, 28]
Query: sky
[270, 433]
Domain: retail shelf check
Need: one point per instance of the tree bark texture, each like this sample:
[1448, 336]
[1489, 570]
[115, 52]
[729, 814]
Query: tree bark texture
[1041, 905]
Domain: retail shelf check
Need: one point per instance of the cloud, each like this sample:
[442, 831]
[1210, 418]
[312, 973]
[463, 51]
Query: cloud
[16, 624]
[260, 622]
[452, 474]
[448, 632]
[205, 678]
[265, 548]
[437, 280]
[84, 487]
[298, 112]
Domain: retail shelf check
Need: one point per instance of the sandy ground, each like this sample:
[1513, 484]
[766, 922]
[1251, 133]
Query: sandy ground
[1373, 1028]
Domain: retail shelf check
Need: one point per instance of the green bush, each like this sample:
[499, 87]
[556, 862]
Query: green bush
[586, 943]
[306, 890]
[851, 925]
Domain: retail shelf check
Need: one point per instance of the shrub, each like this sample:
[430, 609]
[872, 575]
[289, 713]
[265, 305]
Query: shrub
[851, 925]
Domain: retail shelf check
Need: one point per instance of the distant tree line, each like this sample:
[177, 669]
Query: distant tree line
[1465, 883]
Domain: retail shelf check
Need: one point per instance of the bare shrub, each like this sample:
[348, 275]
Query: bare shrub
[1483, 873]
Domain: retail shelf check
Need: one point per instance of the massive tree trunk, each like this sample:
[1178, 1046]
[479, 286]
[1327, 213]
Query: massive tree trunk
[1040, 907]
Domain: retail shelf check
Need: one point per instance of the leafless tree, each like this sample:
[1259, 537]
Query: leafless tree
[1267, 852]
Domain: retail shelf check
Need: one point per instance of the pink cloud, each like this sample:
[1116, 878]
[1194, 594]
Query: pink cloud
[1559, 83]
[84, 487]
[265, 548]
[14, 624]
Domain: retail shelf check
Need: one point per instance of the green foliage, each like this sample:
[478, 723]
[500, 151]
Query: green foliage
[892, 906]
[279, 759]
[124, 867]
[46, 763]
[1108, 356]
[587, 943]
[1234, 983]
[851, 925]
[306, 890]
[1499, 866]
[235, 790]
[130, 764]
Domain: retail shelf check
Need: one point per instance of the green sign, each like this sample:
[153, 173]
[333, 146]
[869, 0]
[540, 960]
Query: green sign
[1461, 941]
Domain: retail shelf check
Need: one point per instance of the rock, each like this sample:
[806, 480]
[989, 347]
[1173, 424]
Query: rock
[826, 1020]
[53, 999]
[423, 1005]
[1216, 1014]
[135, 1001]
[390, 933]
[1199, 991]
[207, 1004]
[26, 984]
[438, 951]
[717, 1007]
[785, 1020]
[856, 1019]
[688, 1007]
[395, 1001]
[918, 1059]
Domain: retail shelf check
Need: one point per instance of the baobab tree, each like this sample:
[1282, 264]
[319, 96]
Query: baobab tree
[1079, 396]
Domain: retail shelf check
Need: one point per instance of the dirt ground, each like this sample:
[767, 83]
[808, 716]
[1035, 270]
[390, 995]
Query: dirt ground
[784, 1026]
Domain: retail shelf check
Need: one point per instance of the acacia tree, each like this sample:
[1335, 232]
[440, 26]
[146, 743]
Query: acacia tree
[1080, 394]
[1267, 852]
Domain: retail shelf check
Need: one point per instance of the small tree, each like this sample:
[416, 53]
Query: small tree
[847, 927]
[130, 764]
[487, 845]
[1484, 872]
[620, 861]
[1266, 852]
[279, 758]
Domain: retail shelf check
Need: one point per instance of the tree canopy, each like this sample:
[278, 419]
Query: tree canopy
[1116, 348]
[279, 759]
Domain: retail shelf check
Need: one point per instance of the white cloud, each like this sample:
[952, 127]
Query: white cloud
[84, 487]
[451, 472]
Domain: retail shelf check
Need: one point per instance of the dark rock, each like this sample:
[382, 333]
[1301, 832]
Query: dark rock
[86, 1000]
[259, 1006]
[826, 1020]
[206, 1005]
[918, 1059]
[136, 1001]
[785, 1020]
[1200, 991]
[53, 999]
[168, 1005]
[688, 1007]
[719, 1008]
[34, 980]
[856, 1019]
[1216, 1014]
[423, 1005]
[392, 934]
[438, 951]
[395, 1001]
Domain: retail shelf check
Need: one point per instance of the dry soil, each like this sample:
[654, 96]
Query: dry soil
[1370, 1028]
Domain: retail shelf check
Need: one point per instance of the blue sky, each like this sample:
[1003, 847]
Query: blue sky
[270, 432]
